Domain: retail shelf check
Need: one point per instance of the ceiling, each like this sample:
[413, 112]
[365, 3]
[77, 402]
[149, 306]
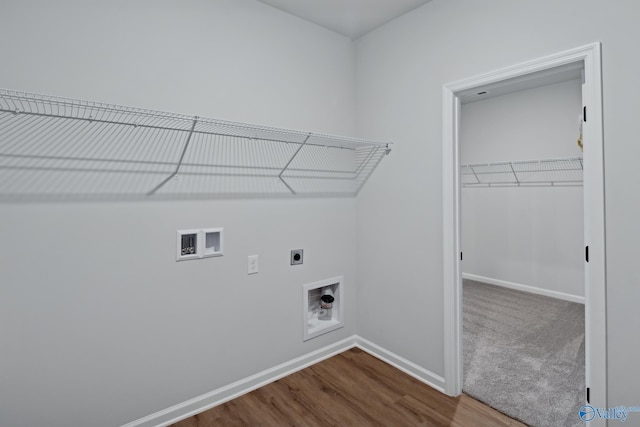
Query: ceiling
[352, 18]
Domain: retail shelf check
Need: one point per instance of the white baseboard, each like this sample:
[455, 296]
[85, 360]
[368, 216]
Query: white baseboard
[525, 288]
[224, 394]
[231, 391]
[406, 366]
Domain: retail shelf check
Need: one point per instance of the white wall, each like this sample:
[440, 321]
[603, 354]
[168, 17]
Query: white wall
[401, 68]
[104, 337]
[99, 325]
[531, 236]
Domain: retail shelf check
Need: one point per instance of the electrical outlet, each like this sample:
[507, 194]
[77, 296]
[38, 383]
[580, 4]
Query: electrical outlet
[297, 256]
[253, 264]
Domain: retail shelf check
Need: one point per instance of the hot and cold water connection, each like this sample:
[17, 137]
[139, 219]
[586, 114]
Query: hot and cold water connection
[188, 244]
[326, 303]
[199, 243]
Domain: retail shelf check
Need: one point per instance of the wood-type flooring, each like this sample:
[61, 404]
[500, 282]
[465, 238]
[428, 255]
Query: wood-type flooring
[350, 389]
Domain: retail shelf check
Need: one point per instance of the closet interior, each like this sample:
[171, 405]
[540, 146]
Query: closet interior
[522, 218]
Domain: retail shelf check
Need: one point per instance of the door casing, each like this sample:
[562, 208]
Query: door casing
[589, 58]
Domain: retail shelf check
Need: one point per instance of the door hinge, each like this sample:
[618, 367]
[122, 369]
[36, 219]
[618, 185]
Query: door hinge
[586, 253]
[588, 395]
[584, 113]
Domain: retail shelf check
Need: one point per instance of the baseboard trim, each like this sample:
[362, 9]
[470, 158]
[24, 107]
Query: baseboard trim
[231, 391]
[224, 394]
[399, 362]
[525, 288]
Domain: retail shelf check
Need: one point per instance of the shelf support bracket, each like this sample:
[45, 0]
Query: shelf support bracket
[475, 175]
[184, 151]
[289, 162]
[515, 176]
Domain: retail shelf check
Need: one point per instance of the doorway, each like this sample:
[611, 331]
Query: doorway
[522, 234]
[588, 60]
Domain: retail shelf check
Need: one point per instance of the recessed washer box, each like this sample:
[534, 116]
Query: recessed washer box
[316, 319]
[199, 243]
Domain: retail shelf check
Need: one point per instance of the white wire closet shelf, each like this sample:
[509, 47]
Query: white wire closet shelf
[530, 173]
[61, 148]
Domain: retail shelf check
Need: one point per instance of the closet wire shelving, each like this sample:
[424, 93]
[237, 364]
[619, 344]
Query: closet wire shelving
[62, 148]
[560, 172]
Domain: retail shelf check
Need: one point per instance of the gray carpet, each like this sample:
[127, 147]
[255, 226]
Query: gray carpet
[524, 354]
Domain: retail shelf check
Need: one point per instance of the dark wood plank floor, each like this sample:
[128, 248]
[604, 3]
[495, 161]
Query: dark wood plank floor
[350, 389]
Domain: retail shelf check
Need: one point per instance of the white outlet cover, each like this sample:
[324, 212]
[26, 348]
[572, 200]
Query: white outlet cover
[253, 264]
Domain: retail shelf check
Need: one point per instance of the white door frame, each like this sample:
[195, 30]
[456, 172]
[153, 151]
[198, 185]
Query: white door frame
[594, 210]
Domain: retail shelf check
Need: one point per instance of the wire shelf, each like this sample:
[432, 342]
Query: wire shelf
[530, 173]
[61, 148]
